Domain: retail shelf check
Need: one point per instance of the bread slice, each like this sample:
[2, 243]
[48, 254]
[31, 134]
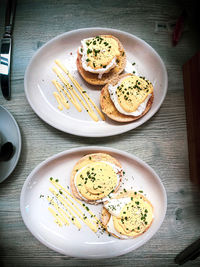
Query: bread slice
[92, 78]
[105, 215]
[109, 108]
[83, 162]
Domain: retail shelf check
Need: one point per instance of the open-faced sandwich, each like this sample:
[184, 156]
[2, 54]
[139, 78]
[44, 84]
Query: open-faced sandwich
[127, 97]
[100, 59]
[95, 176]
[127, 215]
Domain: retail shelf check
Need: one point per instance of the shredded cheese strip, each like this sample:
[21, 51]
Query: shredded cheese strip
[94, 228]
[80, 89]
[56, 215]
[61, 211]
[57, 185]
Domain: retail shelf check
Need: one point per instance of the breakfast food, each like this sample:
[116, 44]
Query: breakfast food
[66, 209]
[127, 215]
[95, 176]
[66, 93]
[100, 58]
[127, 97]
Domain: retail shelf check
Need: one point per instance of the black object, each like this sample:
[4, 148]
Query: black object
[191, 73]
[190, 253]
[6, 151]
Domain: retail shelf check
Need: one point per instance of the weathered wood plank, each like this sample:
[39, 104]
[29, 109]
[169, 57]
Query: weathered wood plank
[161, 142]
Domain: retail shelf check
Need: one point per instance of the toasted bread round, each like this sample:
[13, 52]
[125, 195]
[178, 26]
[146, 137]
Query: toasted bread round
[109, 108]
[83, 162]
[105, 215]
[92, 78]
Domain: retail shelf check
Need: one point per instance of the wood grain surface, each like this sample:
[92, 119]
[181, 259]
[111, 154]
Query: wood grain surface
[161, 142]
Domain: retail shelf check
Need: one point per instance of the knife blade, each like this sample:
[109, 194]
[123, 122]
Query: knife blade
[6, 48]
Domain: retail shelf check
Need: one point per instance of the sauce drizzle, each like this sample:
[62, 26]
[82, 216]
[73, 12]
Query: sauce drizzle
[60, 88]
[72, 95]
[72, 209]
[59, 100]
[57, 185]
[80, 89]
[56, 215]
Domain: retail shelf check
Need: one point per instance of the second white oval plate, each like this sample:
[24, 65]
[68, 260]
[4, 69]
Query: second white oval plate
[39, 88]
[85, 243]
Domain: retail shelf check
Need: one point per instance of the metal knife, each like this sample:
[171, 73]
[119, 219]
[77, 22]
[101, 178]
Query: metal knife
[6, 48]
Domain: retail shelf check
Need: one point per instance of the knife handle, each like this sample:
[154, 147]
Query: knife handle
[9, 17]
[189, 253]
[5, 52]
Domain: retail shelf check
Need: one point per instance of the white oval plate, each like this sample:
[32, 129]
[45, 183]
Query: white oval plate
[39, 89]
[84, 243]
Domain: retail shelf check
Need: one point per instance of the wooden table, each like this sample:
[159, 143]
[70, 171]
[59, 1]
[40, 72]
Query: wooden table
[161, 142]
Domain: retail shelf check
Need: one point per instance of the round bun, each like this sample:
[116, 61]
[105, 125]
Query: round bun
[92, 78]
[109, 108]
[105, 215]
[83, 162]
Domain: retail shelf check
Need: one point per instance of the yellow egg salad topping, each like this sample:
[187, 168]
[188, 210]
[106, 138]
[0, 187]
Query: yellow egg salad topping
[132, 91]
[97, 180]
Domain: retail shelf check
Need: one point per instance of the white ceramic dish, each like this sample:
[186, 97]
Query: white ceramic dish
[9, 132]
[85, 243]
[39, 89]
